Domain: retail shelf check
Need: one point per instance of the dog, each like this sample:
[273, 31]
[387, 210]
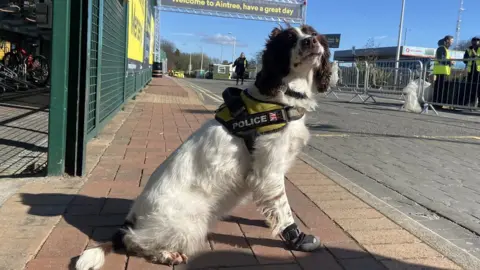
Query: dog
[214, 170]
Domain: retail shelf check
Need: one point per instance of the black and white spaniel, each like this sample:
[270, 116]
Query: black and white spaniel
[213, 171]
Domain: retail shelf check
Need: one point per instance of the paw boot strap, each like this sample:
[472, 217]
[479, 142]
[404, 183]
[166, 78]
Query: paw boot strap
[298, 240]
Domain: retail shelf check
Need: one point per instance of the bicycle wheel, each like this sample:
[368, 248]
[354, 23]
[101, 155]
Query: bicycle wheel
[39, 71]
[10, 8]
[11, 61]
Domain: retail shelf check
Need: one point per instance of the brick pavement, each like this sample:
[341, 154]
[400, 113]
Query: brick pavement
[48, 223]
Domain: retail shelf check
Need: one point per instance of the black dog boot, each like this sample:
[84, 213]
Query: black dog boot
[297, 240]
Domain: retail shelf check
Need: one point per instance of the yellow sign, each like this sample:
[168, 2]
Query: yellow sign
[152, 36]
[136, 29]
[4, 48]
[262, 8]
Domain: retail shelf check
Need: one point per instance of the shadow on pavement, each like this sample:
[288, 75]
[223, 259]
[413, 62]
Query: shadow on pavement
[23, 134]
[198, 111]
[107, 214]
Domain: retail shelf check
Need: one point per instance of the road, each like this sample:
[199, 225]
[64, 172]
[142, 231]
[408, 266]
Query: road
[425, 166]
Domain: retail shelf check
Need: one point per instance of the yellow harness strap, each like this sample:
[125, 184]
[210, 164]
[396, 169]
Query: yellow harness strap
[247, 117]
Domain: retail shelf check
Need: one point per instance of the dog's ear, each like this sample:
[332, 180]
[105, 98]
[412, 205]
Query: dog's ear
[275, 64]
[274, 32]
[269, 79]
[324, 71]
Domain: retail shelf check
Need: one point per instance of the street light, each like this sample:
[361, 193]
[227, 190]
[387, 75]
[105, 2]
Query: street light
[190, 63]
[399, 43]
[201, 62]
[221, 53]
[234, 43]
[405, 38]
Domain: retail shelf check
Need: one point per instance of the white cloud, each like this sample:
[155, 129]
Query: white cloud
[222, 40]
[380, 37]
[183, 34]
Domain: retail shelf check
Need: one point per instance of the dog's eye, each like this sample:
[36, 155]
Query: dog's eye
[314, 34]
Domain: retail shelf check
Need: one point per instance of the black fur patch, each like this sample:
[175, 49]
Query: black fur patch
[117, 239]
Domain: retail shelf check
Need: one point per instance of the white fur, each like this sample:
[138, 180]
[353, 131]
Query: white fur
[298, 55]
[211, 173]
[335, 76]
[413, 92]
[91, 259]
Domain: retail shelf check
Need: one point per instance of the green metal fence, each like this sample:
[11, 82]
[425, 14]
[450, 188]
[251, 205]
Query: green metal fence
[90, 77]
[109, 83]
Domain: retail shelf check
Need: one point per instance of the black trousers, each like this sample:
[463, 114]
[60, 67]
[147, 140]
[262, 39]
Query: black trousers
[440, 87]
[473, 81]
[455, 92]
[473, 77]
[240, 75]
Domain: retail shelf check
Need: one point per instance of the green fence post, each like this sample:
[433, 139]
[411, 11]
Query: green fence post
[99, 63]
[75, 135]
[59, 87]
[125, 86]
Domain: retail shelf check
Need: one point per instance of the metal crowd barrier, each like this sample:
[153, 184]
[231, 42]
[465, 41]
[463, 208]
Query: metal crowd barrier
[351, 80]
[381, 79]
[386, 81]
[460, 90]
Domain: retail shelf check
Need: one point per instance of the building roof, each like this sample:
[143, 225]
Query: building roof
[345, 55]
[391, 52]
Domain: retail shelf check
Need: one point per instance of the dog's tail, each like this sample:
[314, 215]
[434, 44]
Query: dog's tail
[94, 258]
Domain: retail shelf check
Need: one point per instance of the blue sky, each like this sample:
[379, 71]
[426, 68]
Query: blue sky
[356, 20]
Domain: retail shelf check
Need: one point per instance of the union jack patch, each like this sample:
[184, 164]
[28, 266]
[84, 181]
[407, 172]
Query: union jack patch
[273, 116]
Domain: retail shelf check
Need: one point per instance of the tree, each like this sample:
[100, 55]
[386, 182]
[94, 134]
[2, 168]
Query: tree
[257, 60]
[180, 60]
[463, 45]
[371, 50]
[258, 57]
[169, 48]
[378, 76]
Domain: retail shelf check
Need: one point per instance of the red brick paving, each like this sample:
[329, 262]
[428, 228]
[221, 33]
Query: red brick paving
[147, 137]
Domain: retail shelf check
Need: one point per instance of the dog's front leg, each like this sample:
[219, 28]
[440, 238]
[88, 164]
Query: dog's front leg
[270, 196]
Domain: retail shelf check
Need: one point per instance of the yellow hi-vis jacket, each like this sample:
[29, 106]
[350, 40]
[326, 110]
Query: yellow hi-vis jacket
[477, 61]
[439, 69]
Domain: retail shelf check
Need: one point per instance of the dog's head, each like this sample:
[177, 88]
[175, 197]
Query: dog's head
[294, 52]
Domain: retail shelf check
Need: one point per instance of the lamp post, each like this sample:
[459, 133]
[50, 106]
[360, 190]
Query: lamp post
[201, 61]
[399, 43]
[234, 44]
[221, 53]
[190, 63]
[405, 38]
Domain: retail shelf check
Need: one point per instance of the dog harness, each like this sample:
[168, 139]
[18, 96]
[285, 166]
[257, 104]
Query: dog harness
[247, 117]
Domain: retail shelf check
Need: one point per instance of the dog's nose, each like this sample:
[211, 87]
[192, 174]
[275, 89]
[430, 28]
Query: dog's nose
[308, 42]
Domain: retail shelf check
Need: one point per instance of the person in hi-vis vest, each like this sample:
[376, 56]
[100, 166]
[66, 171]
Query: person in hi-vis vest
[442, 67]
[240, 66]
[473, 66]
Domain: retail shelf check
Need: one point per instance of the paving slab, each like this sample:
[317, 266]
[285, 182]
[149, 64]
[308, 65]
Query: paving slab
[89, 211]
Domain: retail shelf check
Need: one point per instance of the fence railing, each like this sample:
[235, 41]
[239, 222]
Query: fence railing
[351, 79]
[389, 79]
[460, 89]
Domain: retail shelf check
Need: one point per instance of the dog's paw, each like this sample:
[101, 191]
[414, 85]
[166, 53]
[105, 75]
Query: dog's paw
[170, 258]
[305, 242]
[297, 240]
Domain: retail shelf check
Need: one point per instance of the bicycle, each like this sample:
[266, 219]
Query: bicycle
[27, 65]
[25, 7]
